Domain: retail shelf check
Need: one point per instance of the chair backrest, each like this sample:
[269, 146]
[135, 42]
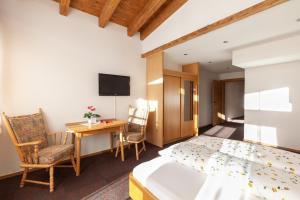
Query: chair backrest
[138, 117]
[26, 128]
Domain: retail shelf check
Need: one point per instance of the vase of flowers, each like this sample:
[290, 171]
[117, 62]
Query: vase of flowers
[90, 115]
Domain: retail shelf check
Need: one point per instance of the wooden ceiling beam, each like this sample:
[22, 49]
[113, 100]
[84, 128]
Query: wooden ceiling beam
[108, 10]
[64, 6]
[171, 8]
[148, 10]
[218, 24]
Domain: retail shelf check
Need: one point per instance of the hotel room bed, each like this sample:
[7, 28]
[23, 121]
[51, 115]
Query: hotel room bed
[213, 168]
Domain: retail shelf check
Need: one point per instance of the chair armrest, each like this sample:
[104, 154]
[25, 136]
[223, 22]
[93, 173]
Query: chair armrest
[29, 143]
[35, 145]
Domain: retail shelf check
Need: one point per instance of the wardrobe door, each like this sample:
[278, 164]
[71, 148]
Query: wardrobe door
[171, 108]
[188, 107]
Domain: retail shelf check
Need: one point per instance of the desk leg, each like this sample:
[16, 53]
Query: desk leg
[122, 143]
[78, 150]
[111, 141]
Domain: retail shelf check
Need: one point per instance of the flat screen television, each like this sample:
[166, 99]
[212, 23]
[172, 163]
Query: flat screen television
[114, 85]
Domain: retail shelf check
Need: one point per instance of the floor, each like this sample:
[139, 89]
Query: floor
[97, 171]
[237, 135]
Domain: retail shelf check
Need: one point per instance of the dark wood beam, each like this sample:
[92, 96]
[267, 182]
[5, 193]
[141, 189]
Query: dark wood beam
[108, 10]
[64, 7]
[218, 24]
[171, 8]
[149, 9]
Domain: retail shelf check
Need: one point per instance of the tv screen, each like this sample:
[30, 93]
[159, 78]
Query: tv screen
[114, 85]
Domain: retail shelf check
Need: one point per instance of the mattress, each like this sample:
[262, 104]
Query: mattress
[169, 180]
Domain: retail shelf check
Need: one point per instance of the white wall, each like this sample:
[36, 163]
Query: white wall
[52, 62]
[205, 101]
[272, 120]
[234, 99]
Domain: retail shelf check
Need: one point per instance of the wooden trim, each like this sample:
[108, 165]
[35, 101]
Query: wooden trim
[15, 174]
[218, 24]
[137, 191]
[171, 8]
[187, 75]
[233, 80]
[64, 6]
[149, 9]
[107, 12]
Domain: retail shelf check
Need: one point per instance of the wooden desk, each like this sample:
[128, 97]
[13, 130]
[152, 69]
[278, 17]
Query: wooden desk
[81, 129]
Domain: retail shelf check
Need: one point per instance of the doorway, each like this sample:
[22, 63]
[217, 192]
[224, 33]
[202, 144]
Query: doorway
[228, 105]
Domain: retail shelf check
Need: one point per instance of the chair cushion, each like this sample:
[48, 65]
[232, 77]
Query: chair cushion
[134, 137]
[29, 128]
[55, 153]
[134, 127]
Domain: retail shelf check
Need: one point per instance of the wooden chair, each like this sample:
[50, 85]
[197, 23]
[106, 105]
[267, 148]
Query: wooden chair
[135, 130]
[35, 149]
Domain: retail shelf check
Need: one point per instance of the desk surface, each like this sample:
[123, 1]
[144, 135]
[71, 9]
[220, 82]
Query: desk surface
[81, 127]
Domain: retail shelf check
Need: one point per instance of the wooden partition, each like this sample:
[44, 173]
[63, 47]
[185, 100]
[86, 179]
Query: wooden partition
[155, 64]
[173, 99]
[194, 68]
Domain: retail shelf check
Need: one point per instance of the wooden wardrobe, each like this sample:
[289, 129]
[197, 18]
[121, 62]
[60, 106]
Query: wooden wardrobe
[173, 99]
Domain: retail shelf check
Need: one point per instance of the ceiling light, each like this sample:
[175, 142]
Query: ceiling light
[225, 41]
[185, 54]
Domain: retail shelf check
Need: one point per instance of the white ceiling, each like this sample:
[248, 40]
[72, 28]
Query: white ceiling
[193, 15]
[277, 22]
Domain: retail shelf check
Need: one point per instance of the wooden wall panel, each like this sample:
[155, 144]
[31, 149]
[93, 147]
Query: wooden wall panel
[189, 127]
[155, 64]
[171, 108]
[194, 68]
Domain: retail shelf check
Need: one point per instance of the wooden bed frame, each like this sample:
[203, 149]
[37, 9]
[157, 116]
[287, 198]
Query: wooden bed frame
[137, 191]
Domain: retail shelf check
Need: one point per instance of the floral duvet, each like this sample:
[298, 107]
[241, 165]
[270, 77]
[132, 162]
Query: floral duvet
[263, 171]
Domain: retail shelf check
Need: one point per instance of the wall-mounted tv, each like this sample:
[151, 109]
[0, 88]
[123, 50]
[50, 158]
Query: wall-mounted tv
[114, 85]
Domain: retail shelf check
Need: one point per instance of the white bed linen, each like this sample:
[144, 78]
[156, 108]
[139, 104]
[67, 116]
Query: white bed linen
[170, 180]
[260, 170]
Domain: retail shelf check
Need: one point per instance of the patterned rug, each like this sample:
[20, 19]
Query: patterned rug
[117, 190]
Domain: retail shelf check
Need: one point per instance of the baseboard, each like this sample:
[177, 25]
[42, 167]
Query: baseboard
[208, 125]
[31, 170]
[274, 146]
[11, 175]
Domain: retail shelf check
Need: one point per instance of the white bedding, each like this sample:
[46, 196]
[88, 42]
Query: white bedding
[170, 180]
[259, 170]
[212, 168]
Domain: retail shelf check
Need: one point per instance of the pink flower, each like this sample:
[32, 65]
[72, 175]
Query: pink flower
[91, 108]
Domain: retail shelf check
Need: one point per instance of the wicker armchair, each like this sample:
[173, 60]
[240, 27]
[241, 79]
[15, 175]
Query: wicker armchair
[36, 148]
[135, 130]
